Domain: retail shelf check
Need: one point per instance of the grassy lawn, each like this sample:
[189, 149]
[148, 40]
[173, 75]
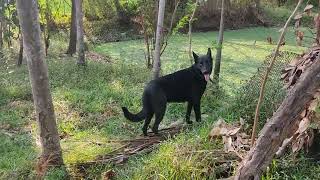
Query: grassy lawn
[87, 104]
[240, 57]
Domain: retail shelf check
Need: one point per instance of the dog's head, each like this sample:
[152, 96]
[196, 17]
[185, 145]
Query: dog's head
[204, 64]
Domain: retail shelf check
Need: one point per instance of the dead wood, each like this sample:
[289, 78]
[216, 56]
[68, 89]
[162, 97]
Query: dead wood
[130, 148]
[277, 129]
[263, 83]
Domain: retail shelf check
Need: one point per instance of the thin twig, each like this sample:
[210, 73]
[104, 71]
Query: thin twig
[170, 28]
[263, 84]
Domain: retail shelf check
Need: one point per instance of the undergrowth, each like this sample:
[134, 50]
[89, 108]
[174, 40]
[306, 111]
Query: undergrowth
[87, 103]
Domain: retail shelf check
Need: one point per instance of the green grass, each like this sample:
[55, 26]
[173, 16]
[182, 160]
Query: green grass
[87, 104]
[240, 57]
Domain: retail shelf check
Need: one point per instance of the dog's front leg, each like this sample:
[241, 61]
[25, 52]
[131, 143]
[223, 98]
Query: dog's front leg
[189, 108]
[197, 111]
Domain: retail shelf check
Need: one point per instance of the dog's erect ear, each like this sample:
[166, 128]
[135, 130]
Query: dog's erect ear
[209, 53]
[195, 57]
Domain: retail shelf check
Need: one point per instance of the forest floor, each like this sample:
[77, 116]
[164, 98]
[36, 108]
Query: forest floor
[88, 102]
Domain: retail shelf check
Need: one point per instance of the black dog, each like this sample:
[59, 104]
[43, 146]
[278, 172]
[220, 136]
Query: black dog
[187, 85]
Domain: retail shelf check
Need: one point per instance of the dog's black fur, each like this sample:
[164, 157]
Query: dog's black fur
[187, 85]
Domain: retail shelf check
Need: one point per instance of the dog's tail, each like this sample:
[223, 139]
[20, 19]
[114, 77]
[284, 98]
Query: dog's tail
[133, 117]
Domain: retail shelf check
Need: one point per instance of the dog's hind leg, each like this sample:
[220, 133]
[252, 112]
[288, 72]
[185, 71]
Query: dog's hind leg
[158, 117]
[159, 110]
[149, 116]
[189, 108]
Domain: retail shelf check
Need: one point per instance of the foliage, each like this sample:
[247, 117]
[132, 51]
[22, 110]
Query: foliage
[282, 15]
[183, 22]
[288, 168]
[247, 96]
[87, 105]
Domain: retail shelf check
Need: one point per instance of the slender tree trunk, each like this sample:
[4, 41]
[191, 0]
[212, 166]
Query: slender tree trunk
[157, 63]
[4, 30]
[219, 48]
[80, 36]
[50, 143]
[73, 31]
[190, 31]
[120, 12]
[2, 24]
[20, 58]
[264, 81]
[280, 125]
[164, 45]
[47, 28]
[258, 5]
[9, 29]
[147, 44]
[317, 27]
[1, 33]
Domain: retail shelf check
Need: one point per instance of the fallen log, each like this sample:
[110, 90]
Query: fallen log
[278, 128]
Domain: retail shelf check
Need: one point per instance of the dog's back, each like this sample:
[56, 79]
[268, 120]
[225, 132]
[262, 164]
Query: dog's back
[179, 86]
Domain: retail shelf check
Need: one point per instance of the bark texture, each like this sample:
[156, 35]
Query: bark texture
[219, 48]
[264, 81]
[159, 34]
[50, 143]
[80, 33]
[20, 58]
[279, 127]
[73, 31]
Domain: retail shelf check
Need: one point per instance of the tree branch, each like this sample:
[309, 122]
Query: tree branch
[263, 84]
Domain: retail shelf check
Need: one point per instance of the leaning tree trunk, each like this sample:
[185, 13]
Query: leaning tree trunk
[157, 63]
[280, 125]
[219, 45]
[80, 36]
[73, 31]
[50, 143]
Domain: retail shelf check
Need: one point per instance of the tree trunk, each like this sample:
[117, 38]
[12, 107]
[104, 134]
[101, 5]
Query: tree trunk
[80, 38]
[147, 44]
[157, 63]
[264, 81]
[50, 143]
[317, 27]
[190, 31]
[120, 12]
[9, 33]
[278, 128]
[73, 31]
[258, 4]
[20, 58]
[47, 29]
[1, 32]
[219, 45]
[168, 35]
